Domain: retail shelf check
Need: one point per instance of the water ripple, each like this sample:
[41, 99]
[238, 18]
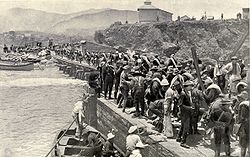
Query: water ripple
[33, 110]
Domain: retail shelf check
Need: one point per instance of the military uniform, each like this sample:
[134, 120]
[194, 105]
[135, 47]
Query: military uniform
[212, 93]
[117, 80]
[197, 100]
[185, 116]
[108, 81]
[124, 87]
[221, 116]
[244, 127]
[138, 91]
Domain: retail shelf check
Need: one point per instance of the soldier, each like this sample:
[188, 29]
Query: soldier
[137, 151]
[212, 91]
[155, 87]
[185, 113]
[108, 80]
[94, 83]
[233, 71]
[138, 91]
[199, 103]
[221, 116]
[221, 82]
[108, 147]
[244, 127]
[5, 49]
[118, 71]
[124, 86]
[131, 140]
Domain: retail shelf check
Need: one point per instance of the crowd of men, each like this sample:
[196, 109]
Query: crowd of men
[166, 91]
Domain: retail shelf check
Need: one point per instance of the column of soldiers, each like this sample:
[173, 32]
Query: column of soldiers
[168, 91]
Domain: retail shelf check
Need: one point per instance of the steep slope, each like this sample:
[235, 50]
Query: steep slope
[29, 19]
[212, 38]
[89, 11]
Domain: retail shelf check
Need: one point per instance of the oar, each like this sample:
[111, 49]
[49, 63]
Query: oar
[60, 138]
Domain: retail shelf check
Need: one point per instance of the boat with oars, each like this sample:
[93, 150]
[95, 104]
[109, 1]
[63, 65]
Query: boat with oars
[66, 144]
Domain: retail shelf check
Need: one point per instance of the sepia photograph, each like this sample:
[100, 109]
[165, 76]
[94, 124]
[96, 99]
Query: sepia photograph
[124, 78]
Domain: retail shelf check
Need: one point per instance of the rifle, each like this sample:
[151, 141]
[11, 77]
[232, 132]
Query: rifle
[195, 58]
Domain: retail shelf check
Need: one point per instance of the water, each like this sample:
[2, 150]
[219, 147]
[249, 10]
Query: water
[33, 107]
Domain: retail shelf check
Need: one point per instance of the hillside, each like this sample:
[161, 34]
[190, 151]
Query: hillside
[19, 19]
[212, 38]
[95, 20]
[83, 23]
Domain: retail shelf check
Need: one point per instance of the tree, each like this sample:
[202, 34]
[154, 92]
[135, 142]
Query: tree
[99, 37]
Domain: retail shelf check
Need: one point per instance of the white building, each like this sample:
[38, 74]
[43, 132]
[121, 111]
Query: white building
[245, 13]
[149, 13]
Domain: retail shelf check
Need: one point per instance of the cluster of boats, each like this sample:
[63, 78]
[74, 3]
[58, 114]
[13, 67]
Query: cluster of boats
[18, 62]
[17, 66]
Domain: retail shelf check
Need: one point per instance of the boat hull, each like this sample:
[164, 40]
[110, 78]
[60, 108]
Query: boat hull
[4, 65]
[70, 146]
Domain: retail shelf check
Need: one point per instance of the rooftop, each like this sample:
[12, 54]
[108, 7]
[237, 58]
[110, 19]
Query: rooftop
[245, 9]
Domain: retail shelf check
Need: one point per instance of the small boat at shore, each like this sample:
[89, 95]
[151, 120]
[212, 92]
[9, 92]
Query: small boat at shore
[69, 145]
[16, 66]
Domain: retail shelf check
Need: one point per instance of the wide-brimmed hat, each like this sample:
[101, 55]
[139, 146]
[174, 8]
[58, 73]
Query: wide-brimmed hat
[188, 75]
[164, 82]
[89, 129]
[175, 70]
[154, 68]
[140, 145]
[226, 101]
[139, 61]
[110, 136]
[157, 75]
[126, 67]
[244, 103]
[125, 62]
[219, 74]
[132, 129]
[156, 62]
[188, 83]
[208, 81]
[243, 95]
[119, 63]
[241, 84]
[145, 59]
[214, 86]
[234, 58]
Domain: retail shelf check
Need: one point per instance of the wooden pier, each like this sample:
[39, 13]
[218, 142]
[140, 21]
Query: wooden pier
[74, 68]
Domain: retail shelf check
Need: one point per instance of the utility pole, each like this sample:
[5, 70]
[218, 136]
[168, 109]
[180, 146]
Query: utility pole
[126, 17]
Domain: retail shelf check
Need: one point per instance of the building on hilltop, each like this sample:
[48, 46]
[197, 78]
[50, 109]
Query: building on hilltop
[245, 13]
[150, 13]
[185, 18]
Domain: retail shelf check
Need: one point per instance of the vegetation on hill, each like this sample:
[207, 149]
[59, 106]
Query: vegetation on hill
[213, 39]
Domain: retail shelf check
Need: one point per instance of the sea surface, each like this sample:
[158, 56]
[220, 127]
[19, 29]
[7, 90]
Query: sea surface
[34, 106]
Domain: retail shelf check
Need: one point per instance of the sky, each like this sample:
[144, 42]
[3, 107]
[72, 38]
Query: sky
[191, 8]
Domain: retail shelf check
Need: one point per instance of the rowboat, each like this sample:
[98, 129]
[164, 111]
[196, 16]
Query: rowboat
[16, 66]
[67, 145]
